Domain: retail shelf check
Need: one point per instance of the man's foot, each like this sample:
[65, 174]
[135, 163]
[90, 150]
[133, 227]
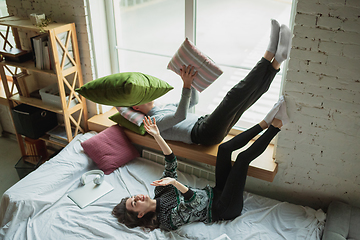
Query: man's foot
[282, 114]
[284, 46]
[274, 36]
[270, 116]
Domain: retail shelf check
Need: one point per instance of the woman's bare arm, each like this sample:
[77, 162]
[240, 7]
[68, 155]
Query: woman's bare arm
[152, 129]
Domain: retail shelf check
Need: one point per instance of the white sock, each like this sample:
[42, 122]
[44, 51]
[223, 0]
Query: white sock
[284, 46]
[270, 116]
[274, 36]
[282, 114]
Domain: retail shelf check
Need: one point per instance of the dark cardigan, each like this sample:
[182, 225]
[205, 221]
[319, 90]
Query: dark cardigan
[175, 209]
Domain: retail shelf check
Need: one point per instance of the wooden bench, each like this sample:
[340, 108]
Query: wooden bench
[263, 167]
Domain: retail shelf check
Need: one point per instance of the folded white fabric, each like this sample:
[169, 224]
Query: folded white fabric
[133, 116]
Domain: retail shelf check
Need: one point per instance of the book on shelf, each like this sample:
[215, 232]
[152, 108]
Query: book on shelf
[59, 133]
[12, 52]
[41, 52]
[15, 54]
[46, 56]
[61, 141]
[35, 43]
[25, 83]
[19, 80]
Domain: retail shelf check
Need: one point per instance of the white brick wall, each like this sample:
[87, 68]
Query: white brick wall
[319, 151]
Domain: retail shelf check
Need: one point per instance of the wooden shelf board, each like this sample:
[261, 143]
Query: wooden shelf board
[36, 103]
[17, 22]
[46, 138]
[263, 167]
[28, 65]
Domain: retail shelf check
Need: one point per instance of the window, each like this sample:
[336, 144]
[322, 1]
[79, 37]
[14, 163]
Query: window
[234, 33]
[149, 34]
[3, 8]
[3, 30]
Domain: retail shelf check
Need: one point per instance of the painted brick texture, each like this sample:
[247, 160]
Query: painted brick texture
[319, 151]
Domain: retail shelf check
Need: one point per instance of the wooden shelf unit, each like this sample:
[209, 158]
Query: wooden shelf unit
[46, 138]
[3, 99]
[62, 74]
[28, 65]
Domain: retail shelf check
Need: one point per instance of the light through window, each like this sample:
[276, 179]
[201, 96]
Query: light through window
[3, 29]
[234, 33]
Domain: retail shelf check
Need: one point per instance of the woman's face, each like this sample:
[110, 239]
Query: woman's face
[139, 203]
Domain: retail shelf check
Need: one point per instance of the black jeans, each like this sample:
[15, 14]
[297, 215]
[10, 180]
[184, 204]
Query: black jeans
[230, 180]
[211, 129]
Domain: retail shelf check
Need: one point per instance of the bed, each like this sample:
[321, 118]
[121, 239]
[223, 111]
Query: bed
[343, 222]
[37, 207]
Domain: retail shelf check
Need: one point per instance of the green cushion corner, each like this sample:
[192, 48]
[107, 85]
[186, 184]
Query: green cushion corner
[127, 124]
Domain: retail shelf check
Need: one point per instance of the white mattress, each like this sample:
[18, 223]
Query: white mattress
[37, 207]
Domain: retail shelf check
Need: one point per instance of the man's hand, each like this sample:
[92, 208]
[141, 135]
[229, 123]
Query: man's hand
[187, 75]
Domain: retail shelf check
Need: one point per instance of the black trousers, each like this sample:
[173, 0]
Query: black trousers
[211, 129]
[230, 180]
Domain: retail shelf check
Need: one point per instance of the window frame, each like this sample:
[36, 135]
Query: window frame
[111, 11]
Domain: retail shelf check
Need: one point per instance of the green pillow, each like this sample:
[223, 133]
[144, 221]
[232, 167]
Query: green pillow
[119, 119]
[124, 89]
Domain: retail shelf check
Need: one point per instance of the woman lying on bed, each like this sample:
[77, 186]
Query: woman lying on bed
[174, 121]
[176, 204]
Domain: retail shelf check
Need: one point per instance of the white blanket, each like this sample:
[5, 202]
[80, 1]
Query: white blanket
[37, 207]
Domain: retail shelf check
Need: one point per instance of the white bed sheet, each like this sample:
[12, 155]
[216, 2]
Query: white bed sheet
[37, 207]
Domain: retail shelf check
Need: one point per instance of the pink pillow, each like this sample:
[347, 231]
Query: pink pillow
[188, 54]
[110, 149]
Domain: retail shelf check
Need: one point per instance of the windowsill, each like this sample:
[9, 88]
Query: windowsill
[263, 167]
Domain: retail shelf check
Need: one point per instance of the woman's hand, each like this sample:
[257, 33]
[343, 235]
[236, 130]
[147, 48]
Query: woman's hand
[152, 129]
[164, 182]
[167, 181]
[187, 75]
[150, 126]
